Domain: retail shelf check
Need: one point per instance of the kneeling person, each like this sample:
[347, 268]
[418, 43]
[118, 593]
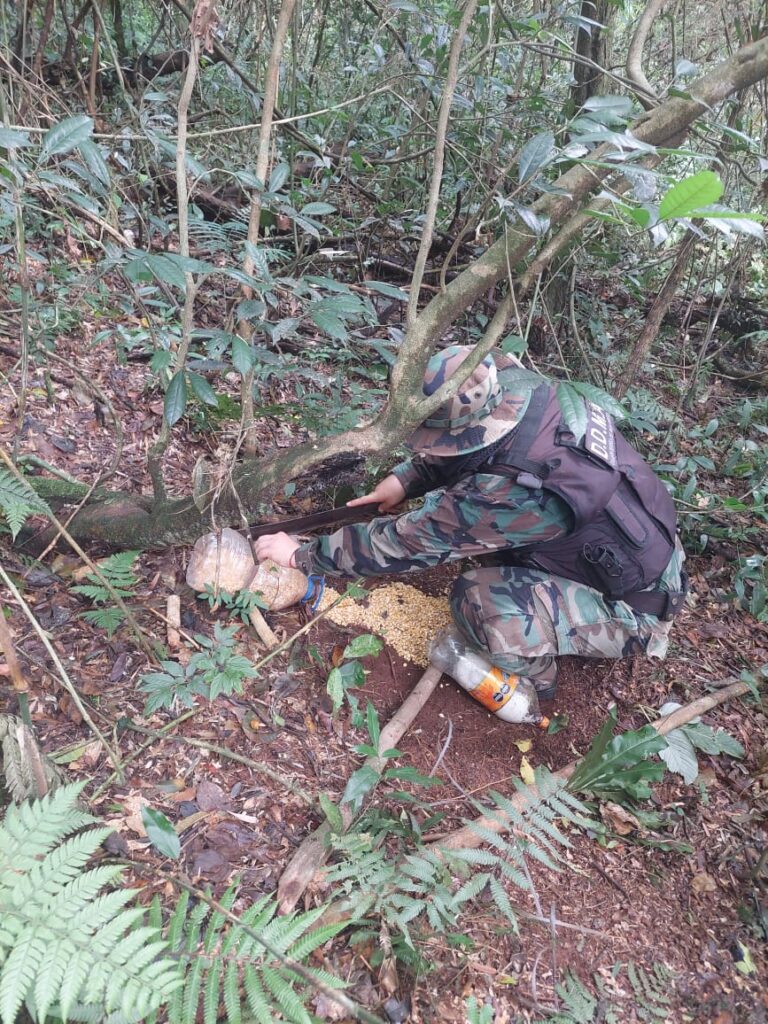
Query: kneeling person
[580, 532]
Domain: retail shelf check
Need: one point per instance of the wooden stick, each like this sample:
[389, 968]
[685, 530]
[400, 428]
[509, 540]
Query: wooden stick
[313, 852]
[464, 838]
[265, 634]
[18, 681]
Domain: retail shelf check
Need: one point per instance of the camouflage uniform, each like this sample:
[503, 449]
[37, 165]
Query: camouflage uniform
[521, 617]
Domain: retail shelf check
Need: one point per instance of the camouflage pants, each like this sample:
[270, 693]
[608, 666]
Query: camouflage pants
[522, 618]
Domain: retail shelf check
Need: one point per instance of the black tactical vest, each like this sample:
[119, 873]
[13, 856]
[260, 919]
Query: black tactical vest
[624, 522]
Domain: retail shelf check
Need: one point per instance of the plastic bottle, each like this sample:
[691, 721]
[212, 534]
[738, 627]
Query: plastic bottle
[509, 697]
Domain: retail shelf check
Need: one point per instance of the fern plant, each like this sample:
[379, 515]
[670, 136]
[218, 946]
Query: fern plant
[229, 974]
[435, 886]
[651, 1002]
[118, 570]
[18, 501]
[67, 947]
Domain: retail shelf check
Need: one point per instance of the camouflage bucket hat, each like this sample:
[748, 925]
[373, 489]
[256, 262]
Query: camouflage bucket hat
[481, 413]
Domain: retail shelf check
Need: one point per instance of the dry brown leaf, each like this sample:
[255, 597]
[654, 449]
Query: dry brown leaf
[702, 882]
[526, 772]
[620, 820]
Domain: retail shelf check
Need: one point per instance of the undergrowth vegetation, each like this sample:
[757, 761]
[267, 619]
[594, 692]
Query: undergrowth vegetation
[231, 239]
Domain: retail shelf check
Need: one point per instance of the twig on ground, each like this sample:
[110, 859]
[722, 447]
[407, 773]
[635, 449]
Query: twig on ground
[313, 852]
[466, 837]
[255, 766]
[444, 750]
[66, 682]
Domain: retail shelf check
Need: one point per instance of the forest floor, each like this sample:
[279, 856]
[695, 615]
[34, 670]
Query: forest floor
[693, 921]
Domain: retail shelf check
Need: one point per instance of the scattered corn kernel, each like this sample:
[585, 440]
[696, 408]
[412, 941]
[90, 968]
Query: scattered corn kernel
[406, 618]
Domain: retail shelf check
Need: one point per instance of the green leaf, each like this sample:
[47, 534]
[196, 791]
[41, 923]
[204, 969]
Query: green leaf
[335, 688]
[689, 194]
[390, 290]
[242, 356]
[679, 756]
[11, 138]
[202, 389]
[362, 646]
[95, 162]
[175, 398]
[713, 741]
[359, 785]
[535, 154]
[513, 345]
[317, 209]
[372, 724]
[66, 136]
[278, 177]
[573, 409]
[332, 813]
[161, 832]
[407, 773]
[601, 398]
[619, 765]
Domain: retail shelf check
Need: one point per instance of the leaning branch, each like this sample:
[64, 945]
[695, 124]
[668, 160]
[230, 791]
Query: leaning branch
[635, 73]
[467, 837]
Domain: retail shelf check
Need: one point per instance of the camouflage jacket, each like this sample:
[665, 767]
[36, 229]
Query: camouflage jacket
[481, 513]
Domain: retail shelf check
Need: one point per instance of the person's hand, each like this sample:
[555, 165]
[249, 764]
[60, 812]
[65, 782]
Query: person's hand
[387, 493]
[280, 547]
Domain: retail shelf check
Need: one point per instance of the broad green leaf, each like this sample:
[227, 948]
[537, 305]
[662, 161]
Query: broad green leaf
[278, 177]
[317, 209]
[640, 215]
[175, 398]
[618, 764]
[363, 645]
[599, 397]
[242, 356]
[713, 741]
[390, 290]
[372, 724]
[95, 162]
[360, 785]
[573, 409]
[679, 756]
[620, 105]
[335, 688]
[161, 832]
[687, 195]
[66, 136]
[535, 154]
[513, 345]
[332, 813]
[11, 138]
[202, 389]
[407, 773]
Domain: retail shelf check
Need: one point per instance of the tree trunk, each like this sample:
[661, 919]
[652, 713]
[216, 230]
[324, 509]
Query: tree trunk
[592, 46]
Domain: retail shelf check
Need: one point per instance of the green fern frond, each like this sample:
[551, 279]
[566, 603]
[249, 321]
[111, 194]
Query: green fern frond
[18, 501]
[230, 973]
[66, 947]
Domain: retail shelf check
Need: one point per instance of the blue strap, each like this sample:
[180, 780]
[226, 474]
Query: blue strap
[315, 591]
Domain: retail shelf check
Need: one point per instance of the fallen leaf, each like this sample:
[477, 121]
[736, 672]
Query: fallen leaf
[523, 745]
[210, 796]
[337, 655]
[617, 818]
[526, 772]
[326, 1009]
[702, 882]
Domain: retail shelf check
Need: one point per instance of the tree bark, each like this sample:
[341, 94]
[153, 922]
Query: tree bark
[656, 314]
[592, 44]
[635, 72]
